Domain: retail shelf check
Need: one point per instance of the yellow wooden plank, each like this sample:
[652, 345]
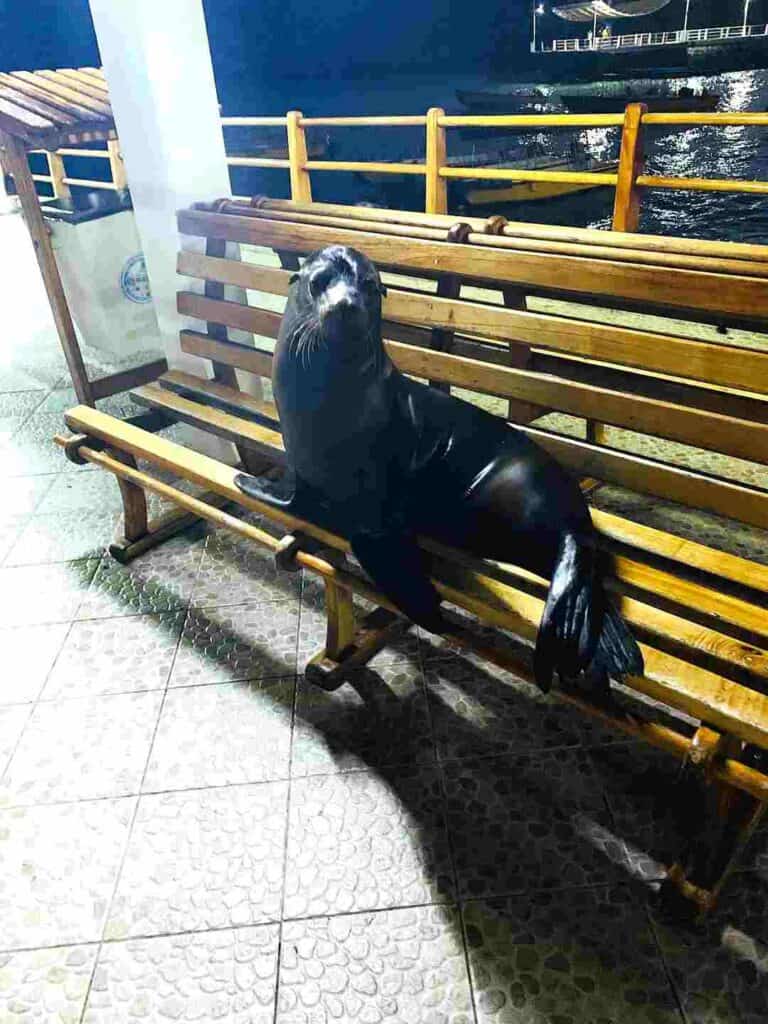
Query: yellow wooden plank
[727, 294]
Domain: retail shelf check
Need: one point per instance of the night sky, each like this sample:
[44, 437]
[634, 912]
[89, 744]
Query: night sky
[268, 40]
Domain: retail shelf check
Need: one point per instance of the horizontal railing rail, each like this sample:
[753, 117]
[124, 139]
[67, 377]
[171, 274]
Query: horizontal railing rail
[639, 40]
[60, 182]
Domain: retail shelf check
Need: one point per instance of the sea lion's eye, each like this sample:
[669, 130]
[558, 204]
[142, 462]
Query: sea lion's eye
[374, 287]
[320, 281]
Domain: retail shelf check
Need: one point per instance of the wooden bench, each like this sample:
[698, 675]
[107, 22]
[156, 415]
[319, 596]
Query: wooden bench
[699, 612]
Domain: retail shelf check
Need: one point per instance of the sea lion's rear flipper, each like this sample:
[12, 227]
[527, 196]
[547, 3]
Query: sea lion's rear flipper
[617, 651]
[580, 629]
[573, 614]
[396, 565]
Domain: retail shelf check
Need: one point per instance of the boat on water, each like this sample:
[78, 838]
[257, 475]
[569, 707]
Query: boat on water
[588, 40]
[598, 97]
[319, 149]
[478, 193]
[614, 101]
[467, 193]
[505, 101]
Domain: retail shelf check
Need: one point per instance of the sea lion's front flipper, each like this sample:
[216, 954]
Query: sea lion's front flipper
[395, 563]
[280, 493]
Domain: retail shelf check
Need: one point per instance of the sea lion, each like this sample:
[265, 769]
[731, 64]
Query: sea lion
[380, 458]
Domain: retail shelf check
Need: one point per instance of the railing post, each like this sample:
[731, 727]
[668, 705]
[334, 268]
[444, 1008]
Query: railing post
[116, 165]
[57, 172]
[301, 187]
[436, 196]
[626, 209]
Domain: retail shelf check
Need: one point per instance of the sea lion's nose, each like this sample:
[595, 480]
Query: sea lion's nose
[343, 300]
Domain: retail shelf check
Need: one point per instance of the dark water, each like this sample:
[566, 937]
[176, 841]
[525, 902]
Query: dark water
[698, 152]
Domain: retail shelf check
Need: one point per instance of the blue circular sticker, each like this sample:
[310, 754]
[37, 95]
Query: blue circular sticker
[134, 282]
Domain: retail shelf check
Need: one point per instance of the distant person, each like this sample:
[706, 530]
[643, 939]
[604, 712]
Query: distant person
[590, 39]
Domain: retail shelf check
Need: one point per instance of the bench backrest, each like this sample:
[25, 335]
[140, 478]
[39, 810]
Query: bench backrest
[518, 313]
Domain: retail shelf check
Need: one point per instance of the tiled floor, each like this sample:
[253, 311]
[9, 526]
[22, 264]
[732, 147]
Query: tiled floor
[190, 832]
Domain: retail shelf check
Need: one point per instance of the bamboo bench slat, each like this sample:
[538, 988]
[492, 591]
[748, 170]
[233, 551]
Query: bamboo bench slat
[222, 424]
[636, 472]
[655, 286]
[649, 476]
[740, 438]
[520, 229]
[726, 365]
[244, 404]
[230, 353]
[682, 552]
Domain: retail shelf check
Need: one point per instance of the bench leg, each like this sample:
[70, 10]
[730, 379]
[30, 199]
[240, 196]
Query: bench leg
[347, 648]
[139, 535]
[721, 820]
[135, 518]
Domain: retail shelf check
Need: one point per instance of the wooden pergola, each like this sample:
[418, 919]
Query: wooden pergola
[55, 112]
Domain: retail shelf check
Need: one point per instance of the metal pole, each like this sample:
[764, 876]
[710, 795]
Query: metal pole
[685, 20]
[534, 5]
[746, 15]
[594, 28]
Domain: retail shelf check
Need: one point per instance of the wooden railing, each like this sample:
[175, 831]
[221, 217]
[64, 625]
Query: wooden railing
[629, 180]
[59, 181]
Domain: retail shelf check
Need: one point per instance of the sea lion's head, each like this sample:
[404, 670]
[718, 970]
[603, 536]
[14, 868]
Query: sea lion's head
[340, 290]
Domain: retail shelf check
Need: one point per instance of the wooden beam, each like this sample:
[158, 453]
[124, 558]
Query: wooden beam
[242, 357]
[714, 431]
[652, 286]
[116, 165]
[301, 187]
[685, 554]
[13, 156]
[626, 209]
[214, 421]
[124, 380]
[436, 197]
[726, 365]
[58, 174]
[648, 476]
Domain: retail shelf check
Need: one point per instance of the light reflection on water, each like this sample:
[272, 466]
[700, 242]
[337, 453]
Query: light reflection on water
[715, 152]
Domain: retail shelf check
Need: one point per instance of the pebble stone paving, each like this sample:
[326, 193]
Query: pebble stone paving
[189, 832]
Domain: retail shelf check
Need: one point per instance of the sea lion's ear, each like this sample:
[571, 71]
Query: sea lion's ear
[382, 290]
[293, 278]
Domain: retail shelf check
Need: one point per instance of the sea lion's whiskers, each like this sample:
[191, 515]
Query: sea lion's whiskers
[301, 342]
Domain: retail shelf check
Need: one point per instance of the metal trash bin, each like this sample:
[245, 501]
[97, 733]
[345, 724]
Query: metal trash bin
[102, 269]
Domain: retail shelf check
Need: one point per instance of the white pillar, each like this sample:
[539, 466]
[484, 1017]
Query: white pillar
[158, 67]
